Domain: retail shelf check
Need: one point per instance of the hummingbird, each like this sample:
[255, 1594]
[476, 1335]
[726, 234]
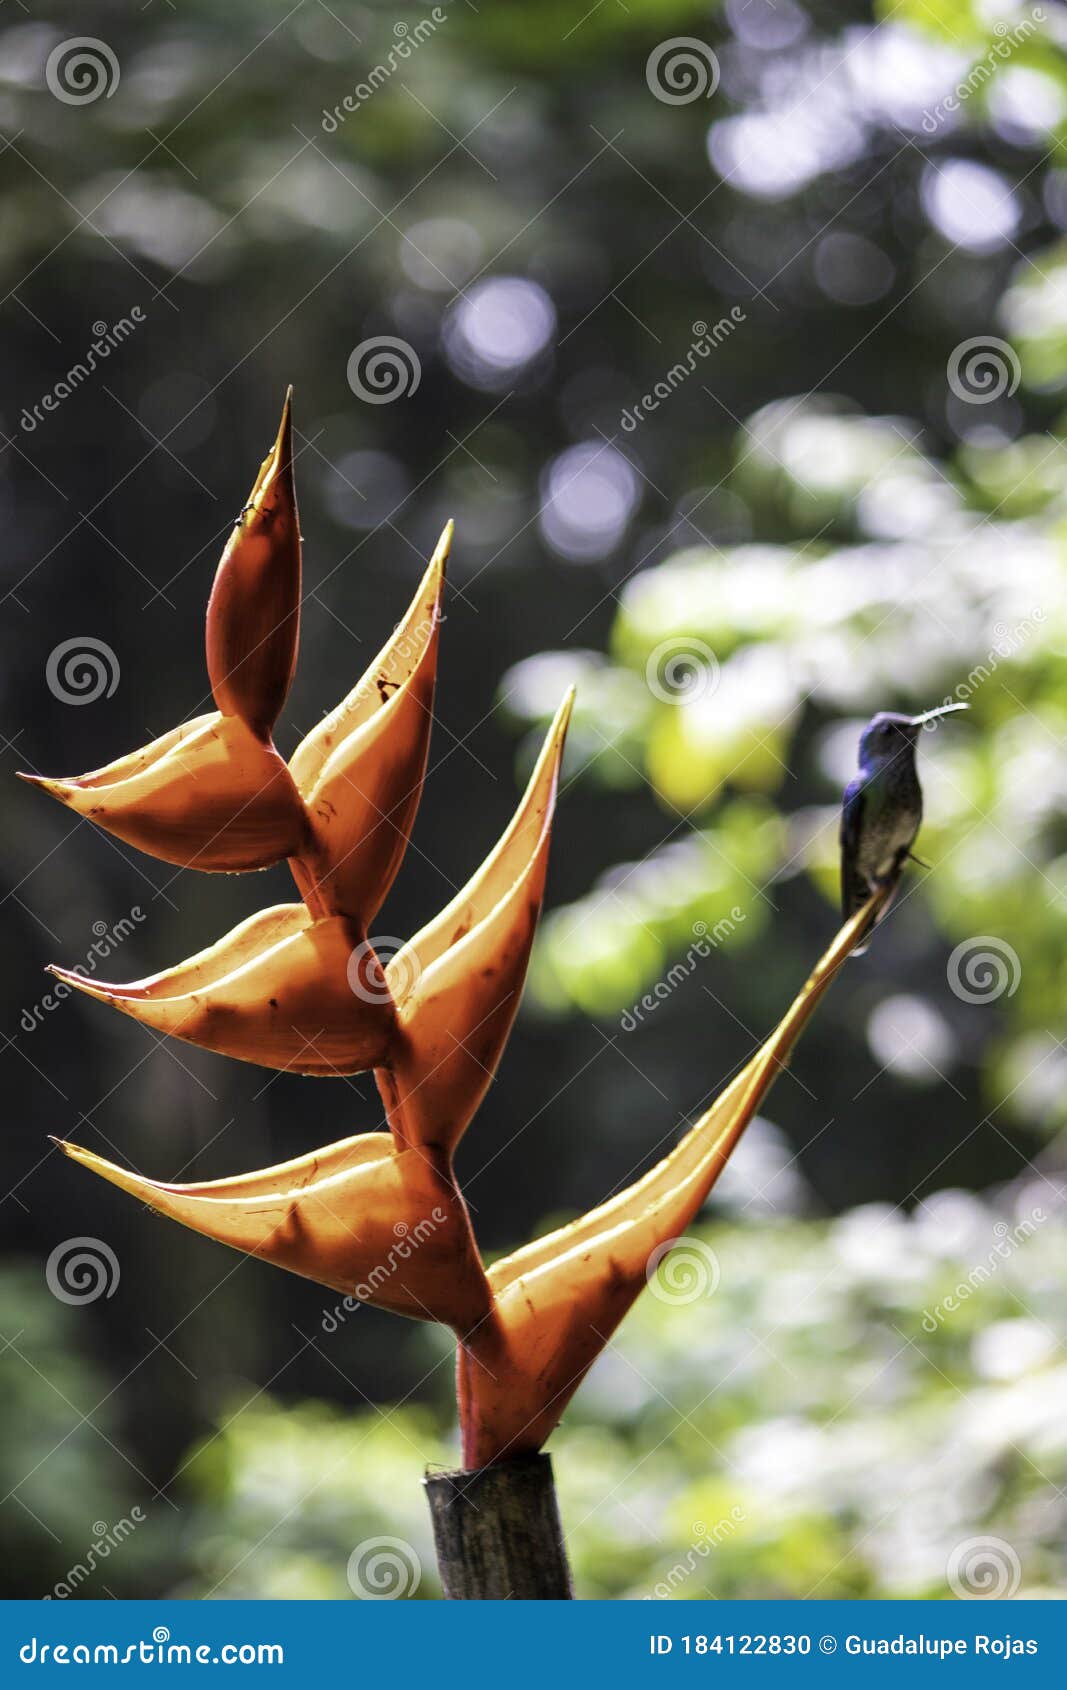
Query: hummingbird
[882, 808]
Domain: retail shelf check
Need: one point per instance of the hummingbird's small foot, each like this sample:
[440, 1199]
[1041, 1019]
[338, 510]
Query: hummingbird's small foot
[912, 858]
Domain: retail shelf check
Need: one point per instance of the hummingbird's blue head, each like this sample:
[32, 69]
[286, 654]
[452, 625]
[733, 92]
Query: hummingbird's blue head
[886, 736]
[889, 734]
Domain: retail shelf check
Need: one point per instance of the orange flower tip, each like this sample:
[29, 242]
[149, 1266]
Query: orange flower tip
[283, 446]
[93, 989]
[253, 613]
[551, 753]
[566, 708]
[278, 460]
[61, 789]
[85, 1158]
[408, 656]
[435, 572]
[70, 975]
[74, 1151]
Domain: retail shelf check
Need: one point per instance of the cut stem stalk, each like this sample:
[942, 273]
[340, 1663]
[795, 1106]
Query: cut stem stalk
[498, 1534]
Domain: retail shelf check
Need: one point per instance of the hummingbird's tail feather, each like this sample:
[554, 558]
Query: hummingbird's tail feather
[854, 891]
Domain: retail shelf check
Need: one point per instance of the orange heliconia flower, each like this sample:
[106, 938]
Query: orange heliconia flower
[380, 1216]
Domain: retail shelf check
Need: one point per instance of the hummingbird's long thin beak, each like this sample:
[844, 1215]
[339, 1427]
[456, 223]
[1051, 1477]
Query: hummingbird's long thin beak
[931, 715]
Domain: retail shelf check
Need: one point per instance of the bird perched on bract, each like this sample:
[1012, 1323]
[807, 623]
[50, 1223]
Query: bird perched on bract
[882, 809]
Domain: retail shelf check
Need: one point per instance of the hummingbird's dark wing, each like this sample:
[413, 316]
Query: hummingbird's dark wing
[854, 888]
